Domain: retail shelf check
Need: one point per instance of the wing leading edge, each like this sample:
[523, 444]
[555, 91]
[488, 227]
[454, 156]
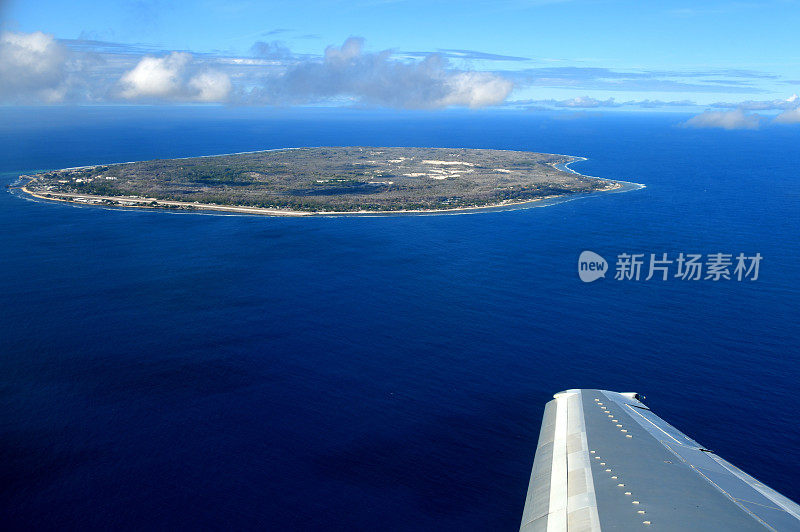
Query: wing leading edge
[604, 461]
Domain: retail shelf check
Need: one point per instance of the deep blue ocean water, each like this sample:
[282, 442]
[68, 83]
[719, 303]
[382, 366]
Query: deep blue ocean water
[163, 370]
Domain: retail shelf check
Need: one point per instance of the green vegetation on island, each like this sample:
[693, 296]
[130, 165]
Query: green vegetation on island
[333, 179]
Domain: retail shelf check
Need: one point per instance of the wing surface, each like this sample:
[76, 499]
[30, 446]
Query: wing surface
[605, 461]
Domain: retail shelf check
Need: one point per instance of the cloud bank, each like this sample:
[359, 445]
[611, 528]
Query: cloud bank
[790, 116]
[33, 67]
[736, 119]
[596, 78]
[761, 105]
[36, 68]
[348, 74]
[739, 118]
[587, 102]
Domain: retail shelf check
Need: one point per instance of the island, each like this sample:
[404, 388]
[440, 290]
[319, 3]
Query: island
[324, 180]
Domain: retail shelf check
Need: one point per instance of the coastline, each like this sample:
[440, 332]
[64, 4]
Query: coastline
[577, 158]
[125, 202]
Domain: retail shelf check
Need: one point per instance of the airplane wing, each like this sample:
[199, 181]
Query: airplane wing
[606, 462]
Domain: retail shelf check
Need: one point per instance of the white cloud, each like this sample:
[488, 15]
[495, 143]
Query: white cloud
[588, 102]
[790, 116]
[789, 107]
[791, 113]
[475, 89]
[211, 86]
[171, 78]
[761, 105]
[736, 119]
[585, 102]
[32, 67]
[351, 49]
[158, 77]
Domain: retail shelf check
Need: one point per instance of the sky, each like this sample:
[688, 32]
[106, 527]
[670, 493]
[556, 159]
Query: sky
[735, 62]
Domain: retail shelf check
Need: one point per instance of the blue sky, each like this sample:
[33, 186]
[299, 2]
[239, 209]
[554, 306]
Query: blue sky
[511, 53]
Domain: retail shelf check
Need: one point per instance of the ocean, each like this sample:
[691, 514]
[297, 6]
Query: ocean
[179, 370]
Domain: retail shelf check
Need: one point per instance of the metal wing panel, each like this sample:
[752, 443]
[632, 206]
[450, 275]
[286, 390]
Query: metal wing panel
[561, 490]
[605, 461]
[537, 503]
